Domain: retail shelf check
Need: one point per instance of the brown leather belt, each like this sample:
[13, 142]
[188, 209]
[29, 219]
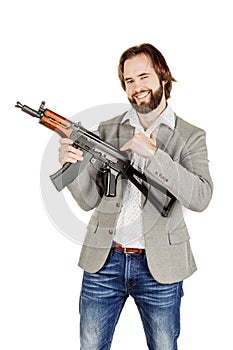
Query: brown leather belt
[128, 250]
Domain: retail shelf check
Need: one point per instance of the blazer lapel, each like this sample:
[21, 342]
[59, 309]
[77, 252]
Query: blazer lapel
[164, 136]
[126, 132]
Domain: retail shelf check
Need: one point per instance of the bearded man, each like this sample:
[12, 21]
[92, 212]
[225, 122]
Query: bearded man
[130, 249]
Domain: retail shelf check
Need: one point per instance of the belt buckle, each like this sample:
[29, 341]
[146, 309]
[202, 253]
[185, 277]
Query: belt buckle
[125, 251]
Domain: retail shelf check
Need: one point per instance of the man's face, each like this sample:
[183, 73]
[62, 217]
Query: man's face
[143, 87]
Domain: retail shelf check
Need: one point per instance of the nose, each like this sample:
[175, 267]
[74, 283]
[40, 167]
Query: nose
[138, 86]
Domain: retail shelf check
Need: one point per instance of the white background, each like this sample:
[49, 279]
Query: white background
[67, 52]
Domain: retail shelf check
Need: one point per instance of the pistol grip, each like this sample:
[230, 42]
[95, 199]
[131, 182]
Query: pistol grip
[110, 180]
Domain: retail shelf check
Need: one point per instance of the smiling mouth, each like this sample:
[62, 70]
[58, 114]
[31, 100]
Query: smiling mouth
[142, 95]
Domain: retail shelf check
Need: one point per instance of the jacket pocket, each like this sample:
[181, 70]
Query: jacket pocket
[93, 225]
[179, 235]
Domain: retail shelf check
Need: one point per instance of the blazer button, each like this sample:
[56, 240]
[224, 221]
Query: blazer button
[110, 232]
[118, 205]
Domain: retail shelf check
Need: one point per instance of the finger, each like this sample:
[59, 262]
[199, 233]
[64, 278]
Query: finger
[65, 148]
[73, 153]
[125, 147]
[70, 158]
[74, 150]
[67, 153]
[153, 135]
[65, 141]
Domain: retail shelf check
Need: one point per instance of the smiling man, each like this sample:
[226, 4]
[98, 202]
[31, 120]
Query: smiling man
[130, 249]
[143, 86]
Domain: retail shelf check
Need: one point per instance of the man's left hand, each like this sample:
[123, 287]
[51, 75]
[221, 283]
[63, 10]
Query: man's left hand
[142, 145]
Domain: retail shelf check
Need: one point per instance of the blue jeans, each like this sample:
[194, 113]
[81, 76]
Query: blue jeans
[103, 296]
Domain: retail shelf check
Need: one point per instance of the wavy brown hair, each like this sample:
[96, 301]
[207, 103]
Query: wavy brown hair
[157, 59]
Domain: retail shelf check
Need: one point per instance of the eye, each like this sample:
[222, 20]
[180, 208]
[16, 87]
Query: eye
[128, 82]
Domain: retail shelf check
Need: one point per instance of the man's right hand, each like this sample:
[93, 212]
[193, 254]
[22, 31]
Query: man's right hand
[67, 153]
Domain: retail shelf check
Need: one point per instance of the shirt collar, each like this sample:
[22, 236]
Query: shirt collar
[167, 117]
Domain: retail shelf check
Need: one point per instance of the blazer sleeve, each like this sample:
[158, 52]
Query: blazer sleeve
[87, 189]
[188, 177]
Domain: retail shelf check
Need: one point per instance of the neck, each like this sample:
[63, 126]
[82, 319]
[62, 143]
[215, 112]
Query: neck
[146, 120]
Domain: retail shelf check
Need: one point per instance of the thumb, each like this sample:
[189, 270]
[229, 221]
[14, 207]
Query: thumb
[153, 135]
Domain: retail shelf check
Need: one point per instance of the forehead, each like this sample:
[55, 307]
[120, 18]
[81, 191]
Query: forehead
[137, 65]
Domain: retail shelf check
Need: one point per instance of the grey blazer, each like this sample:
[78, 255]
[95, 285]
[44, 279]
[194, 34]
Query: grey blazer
[181, 165]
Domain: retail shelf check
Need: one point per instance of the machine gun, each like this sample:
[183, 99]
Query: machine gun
[113, 161]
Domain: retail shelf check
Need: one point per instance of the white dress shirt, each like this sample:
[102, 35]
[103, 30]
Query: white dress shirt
[129, 228]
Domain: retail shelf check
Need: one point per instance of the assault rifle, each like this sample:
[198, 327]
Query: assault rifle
[113, 161]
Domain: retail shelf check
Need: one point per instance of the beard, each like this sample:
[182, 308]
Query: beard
[147, 107]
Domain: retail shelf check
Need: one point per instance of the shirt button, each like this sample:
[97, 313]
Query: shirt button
[110, 232]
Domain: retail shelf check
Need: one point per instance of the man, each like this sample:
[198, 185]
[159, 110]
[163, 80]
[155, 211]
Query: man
[130, 249]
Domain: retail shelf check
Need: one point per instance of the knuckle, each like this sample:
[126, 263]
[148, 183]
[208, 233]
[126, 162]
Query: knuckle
[63, 140]
[70, 148]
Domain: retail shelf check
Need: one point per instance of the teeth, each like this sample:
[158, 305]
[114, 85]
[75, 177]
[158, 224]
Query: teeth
[142, 95]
